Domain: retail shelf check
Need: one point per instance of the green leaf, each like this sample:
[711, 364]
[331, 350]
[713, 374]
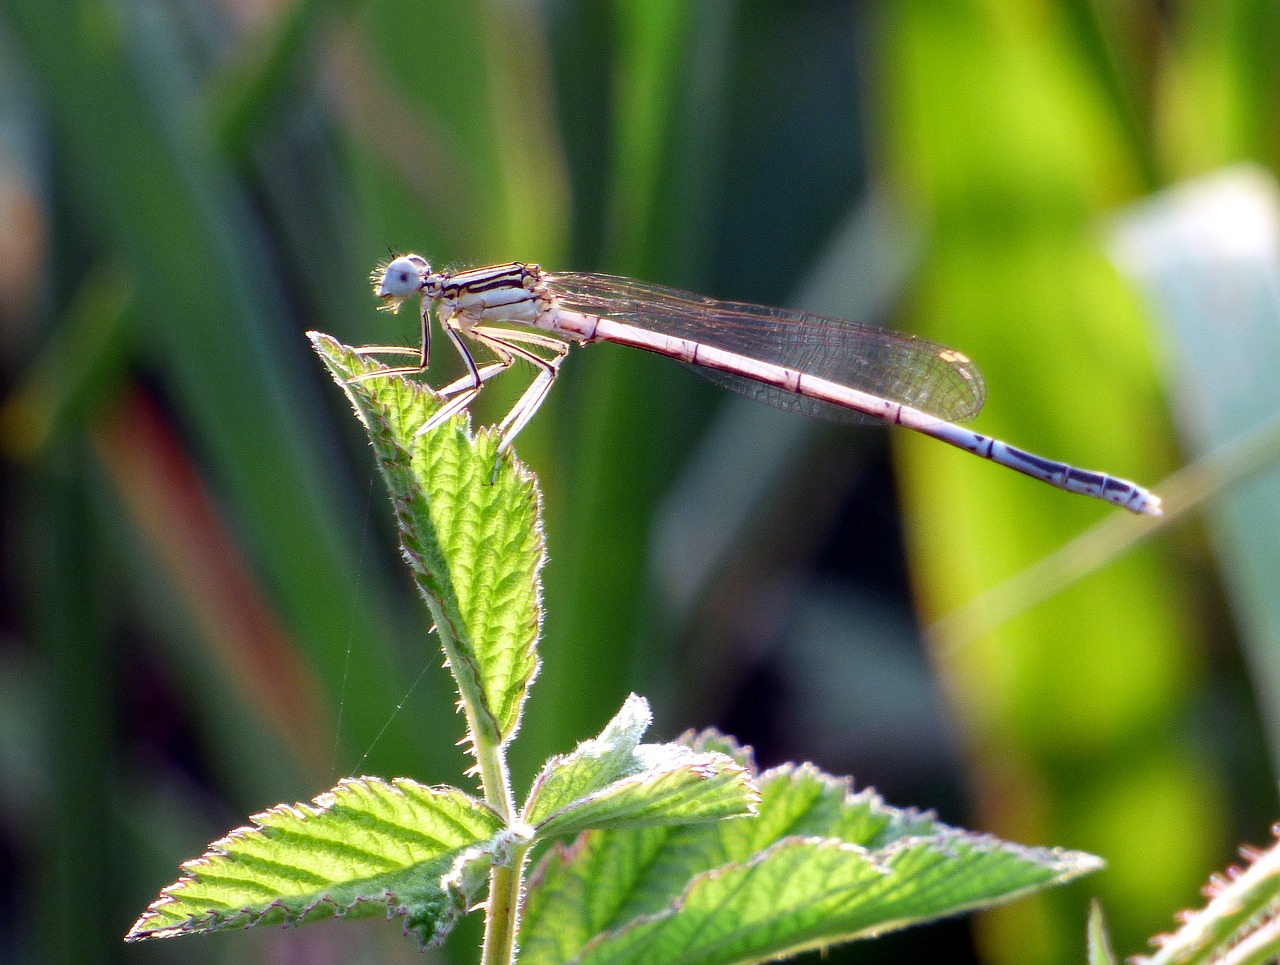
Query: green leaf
[368, 847]
[1100, 950]
[473, 540]
[812, 893]
[677, 786]
[595, 764]
[818, 865]
[614, 781]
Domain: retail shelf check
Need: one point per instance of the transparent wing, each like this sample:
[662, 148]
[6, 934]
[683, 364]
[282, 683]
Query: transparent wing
[902, 368]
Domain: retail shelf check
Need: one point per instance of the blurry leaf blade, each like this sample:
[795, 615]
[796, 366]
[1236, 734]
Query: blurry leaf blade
[82, 365]
[1100, 950]
[368, 847]
[526, 140]
[1012, 161]
[655, 38]
[159, 485]
[214, 340]
[242, 98]
[473, 542]
[618, 410]
[1206, 255]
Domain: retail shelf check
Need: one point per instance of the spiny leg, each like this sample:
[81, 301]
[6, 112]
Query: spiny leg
[468, 387]
[502, 342]
[386, 373]
[423, 351]
[522, 337]
[525, 408]
[425, 357]
[486, 373]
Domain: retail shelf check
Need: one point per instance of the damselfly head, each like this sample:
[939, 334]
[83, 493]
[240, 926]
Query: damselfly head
[399, 279]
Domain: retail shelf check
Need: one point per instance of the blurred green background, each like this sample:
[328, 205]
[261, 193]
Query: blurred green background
[201, 609]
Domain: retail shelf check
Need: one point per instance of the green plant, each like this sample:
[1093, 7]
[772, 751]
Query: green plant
[1238, 926]
[678, 851]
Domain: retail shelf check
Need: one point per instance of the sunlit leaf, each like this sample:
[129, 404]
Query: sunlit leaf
[366, 848]
[614, 781]
[472, 539]
[818, 865]
[1239, 924]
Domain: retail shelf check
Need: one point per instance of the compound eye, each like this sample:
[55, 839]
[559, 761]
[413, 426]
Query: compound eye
[401, 278]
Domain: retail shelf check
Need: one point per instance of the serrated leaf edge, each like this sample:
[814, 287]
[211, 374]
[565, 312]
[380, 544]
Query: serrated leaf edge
[712, 874]
[630, 723]
[879, 860]
[460, 661]
[712, 765]
[1224, 921]
[248, 917]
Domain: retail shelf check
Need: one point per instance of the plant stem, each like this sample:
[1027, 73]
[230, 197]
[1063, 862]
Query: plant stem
[502, 919]
[506, 877]
[495, 780]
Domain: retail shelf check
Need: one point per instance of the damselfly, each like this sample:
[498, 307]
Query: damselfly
[794, 360]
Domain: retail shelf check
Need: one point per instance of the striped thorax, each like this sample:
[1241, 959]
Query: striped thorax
[509, 293]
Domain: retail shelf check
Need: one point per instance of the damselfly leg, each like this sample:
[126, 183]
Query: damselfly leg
[533, 397]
